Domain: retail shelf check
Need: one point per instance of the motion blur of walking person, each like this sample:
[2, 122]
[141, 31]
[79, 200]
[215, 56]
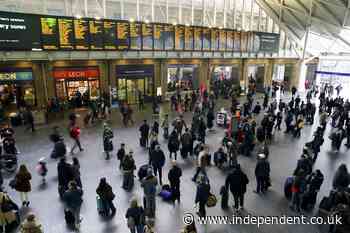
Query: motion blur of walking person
[107, 140]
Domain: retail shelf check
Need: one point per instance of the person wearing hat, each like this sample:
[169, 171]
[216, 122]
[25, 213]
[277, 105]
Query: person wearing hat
[73, 199]
[149, 185]
[174, 176]
[158, 161]
[128, 166]
[30, 225]
[262, 173]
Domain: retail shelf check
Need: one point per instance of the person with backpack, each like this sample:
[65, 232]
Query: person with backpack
[135, 216]
[128, 167]
[202, 195]
[174, 176]
[237, 182]
[30, 225]
[22, 184]
[149, 185]
[262, 173]
[105, 192]
[158, 161]
[73, 200]
[107, 140]
[173, 144]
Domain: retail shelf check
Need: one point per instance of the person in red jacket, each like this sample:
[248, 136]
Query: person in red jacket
[74, 132]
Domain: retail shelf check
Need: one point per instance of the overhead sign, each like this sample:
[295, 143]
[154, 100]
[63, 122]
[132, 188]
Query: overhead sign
[134, 71]
[267, 42]
[16, 76]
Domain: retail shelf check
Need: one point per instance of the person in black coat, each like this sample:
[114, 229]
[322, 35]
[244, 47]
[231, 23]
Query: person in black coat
[201, 130]
[65, 175]
[174, 176]
[144, 130]
[341, 179]
[105, 192]
[173, 144]
[158, 161]
[237, 182]
[210, 119]
[202, 195]
[262, 173]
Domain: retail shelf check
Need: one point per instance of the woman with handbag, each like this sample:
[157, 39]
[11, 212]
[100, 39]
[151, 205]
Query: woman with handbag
[105, 192]
[22, 184]
[135, 217]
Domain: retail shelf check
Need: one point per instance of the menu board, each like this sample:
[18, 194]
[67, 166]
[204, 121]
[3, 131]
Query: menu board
[96, 34]
[109, 36]
[66, 33]
[158, 42]
[189, 45]
[135, 36]
[230, 37]
[19, 31]
[198, 39]
[206, 32]
[244, 42]
[179, 37]
[147, 36]
[215, 39]
[168, 36]
[237, 42]
[49, 33]
[81, 34]
[222, 40]
[123, 35]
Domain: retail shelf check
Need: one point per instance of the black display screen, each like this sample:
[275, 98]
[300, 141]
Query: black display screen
[109, 36]
[49, 33]
[157, 37]
[206, 39]
[179, 37]
[96, 34]
[197, 39]
[81, 33]
[147, 36]
[123, 32]
[189, 38]
[66, 33]
[168, 36]
[19, 31]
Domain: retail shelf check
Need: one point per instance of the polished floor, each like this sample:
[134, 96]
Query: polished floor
[46, 204]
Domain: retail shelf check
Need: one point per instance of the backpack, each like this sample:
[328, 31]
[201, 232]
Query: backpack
[212, 200]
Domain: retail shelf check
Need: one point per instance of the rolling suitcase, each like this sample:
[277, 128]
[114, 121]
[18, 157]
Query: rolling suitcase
[288, 187]
[100, 206]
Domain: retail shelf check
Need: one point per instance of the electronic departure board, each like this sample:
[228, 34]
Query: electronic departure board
[135, 36]
[109, 35]
[197, 38]
[206, 35]
[222, 40]
[237, 42]
[230, 37]
[66, 33]
[96, 34]
[147, 36]
[189, 38]
[19, 31]
[158, 41]
[81, 34]
[179, 37]
[49, 33]
[168, 36]
[244, 42]
[215, 39]
[123, 35]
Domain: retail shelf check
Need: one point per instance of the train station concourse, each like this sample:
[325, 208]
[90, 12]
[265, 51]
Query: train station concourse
[164, 116]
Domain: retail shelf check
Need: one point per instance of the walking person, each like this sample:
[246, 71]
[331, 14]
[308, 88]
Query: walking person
[174, 176]
[22, 184]
[65, 175]
[121, 154]
[107, 140]
[262, 174]
[73, 200]
[128, 166]
[135, 216]
[29, 119]
[298, 188]
[202, 195]
[76, 171]
[165, 126]
[158, 161]
[149, 185]
[105, 192]
[237, 182]
[202, 162]
[341, 179]
[173, 144]
[144, 131]
[75, 135]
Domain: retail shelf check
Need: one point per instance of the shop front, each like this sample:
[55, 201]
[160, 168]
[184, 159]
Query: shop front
[135, 83]
[282, 74]
[224, 77]
[182, 77]
[77, 85]
[256, 77]
[17, 88]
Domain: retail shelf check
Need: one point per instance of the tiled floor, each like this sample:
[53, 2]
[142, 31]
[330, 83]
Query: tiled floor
[45, 202]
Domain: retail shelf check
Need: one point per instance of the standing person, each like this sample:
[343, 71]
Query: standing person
[262, 173]
[186, 143]
[30, 225]
[121, 154]
[29, 119]
[128, 166]
[299, 126]
[73, 199]
[210, 118]
[155, 128]
[279, 118]
[173, 144]
[135, 216]
[202, 162]
[294, 91]
[165, 126]
[237, 182]
[174, 176]
[107, 140]
[201, 130]
[149, 184]
[341, 179]
[202, 195]
[158, 161]
[105, 192]
[144, 131]
[76, 171]
[298, 188]
[65, 175]
[129, 113]
[22, 184]
[75, 135]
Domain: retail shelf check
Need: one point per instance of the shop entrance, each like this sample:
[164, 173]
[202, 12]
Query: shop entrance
[282, 74]
[224, 78]
[256, 77]
[134, 90]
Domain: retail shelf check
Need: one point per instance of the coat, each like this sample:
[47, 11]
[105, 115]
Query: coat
[262, 168]
[65, 174]
[237, 182]
[105, 192]
[9, 216]
[173, 143]
[149, 185]
[73, 198]
[203, 192]
[157, 158]
[31, 227]
[23, 182]
[174, 175]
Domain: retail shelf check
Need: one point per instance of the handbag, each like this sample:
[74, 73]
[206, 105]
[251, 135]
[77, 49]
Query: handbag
[212, 200]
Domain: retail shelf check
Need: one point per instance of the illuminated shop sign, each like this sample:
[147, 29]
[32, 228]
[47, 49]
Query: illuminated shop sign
[16, 76]
[82, 72]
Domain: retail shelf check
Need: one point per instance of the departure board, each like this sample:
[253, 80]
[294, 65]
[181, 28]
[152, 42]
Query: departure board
[168, 36]
[81, 34]
[237, 42]
[109, 36]
[147, 36]
[189, 38]
[135, 36]
[96, 34]
[49, 33]
[179, 37]
[215, 39]
[66, 33]
[158, 42]
[244, 42]
[206, 32]
[123, 35]
[197, 38]
[222, 40]
[230, 36]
